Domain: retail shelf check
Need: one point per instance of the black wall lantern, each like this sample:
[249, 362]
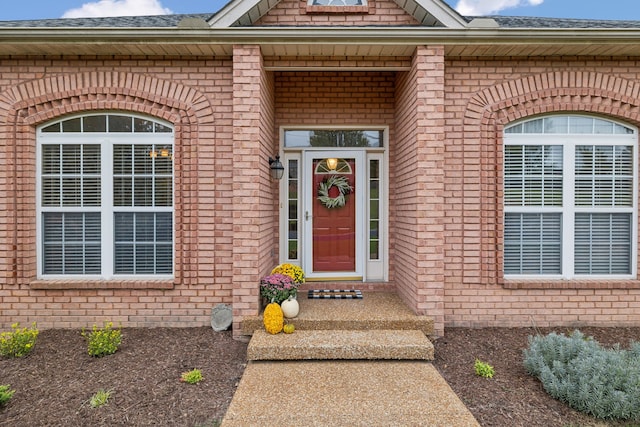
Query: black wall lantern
[277, 170]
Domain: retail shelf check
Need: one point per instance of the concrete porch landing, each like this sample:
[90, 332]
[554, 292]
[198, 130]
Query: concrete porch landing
[375, 311]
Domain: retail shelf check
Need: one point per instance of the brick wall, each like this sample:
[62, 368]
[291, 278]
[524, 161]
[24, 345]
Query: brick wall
[193, 94]
[445, 118]
[482, 96]
[334, 98]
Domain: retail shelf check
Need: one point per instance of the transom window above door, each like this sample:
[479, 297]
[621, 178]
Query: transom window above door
[105, 197]
[570, 204]
[333, 138]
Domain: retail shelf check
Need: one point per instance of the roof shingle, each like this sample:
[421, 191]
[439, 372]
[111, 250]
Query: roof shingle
[155, 21]
[168, 21]
[560, 23]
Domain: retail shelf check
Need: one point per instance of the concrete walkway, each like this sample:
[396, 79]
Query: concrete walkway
[345, 393]
[350, 363]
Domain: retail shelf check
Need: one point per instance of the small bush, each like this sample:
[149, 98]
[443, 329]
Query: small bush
[5, 394]
[604, 383]
[103, 341]
[18, 342]
[191, 377]
[101, 397]
[483, 369]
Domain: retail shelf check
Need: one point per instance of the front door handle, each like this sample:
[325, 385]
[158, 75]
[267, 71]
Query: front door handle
[306, 215]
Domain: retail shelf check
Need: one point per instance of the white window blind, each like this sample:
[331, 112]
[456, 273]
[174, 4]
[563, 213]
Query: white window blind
[71, 175]
[71, 243]
[604, 176]
[603, 243]
[533, 243]
[533, 175]
[143, 243]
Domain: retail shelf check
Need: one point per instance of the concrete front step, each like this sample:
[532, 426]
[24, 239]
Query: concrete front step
[252, 324]
[377, 310]
[340, 345]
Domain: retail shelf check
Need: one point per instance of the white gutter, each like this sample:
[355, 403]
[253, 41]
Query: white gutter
[315, 35]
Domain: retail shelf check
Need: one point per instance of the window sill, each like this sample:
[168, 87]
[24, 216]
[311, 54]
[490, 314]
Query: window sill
[100, 284]
[571, 284]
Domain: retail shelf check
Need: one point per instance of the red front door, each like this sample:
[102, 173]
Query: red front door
[334, 227]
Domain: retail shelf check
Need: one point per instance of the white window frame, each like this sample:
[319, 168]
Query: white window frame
[106, 140]
[568, 210]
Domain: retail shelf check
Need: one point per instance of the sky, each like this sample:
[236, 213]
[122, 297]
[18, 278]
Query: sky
[44, 9]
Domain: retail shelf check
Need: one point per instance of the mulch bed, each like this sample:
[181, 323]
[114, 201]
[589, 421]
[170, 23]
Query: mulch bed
[512, 397]
[55, 382]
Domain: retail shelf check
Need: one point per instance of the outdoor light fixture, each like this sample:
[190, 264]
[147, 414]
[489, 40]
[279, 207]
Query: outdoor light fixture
[332, 164]
[277, 170]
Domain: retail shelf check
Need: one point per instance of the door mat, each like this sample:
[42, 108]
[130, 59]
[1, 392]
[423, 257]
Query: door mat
[335, 294]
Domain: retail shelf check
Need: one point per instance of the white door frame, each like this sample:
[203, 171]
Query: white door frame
[293, 235]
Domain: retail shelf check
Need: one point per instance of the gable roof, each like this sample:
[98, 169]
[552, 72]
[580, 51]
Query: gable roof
[174, 21]
[431, 13]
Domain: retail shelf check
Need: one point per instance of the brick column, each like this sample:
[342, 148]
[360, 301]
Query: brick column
[430, 143]
[419, 179]
[252, 190]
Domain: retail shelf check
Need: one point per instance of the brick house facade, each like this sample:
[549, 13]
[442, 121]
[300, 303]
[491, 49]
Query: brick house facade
[441, 89]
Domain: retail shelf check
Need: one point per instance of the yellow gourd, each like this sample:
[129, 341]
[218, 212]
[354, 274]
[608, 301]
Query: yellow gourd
[273, 318]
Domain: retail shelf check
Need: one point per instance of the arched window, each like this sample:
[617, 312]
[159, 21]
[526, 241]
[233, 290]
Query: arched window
[570, 205]
[105, 197]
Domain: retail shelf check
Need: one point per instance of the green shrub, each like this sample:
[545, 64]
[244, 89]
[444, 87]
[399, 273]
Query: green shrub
[191, 377]
[100, 398]
[604, 383]
[483, 369]
[5, 394]
[103, 341]
[18, 342]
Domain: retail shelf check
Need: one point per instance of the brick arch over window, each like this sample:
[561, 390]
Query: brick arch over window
[486, 115]
[29, 104]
